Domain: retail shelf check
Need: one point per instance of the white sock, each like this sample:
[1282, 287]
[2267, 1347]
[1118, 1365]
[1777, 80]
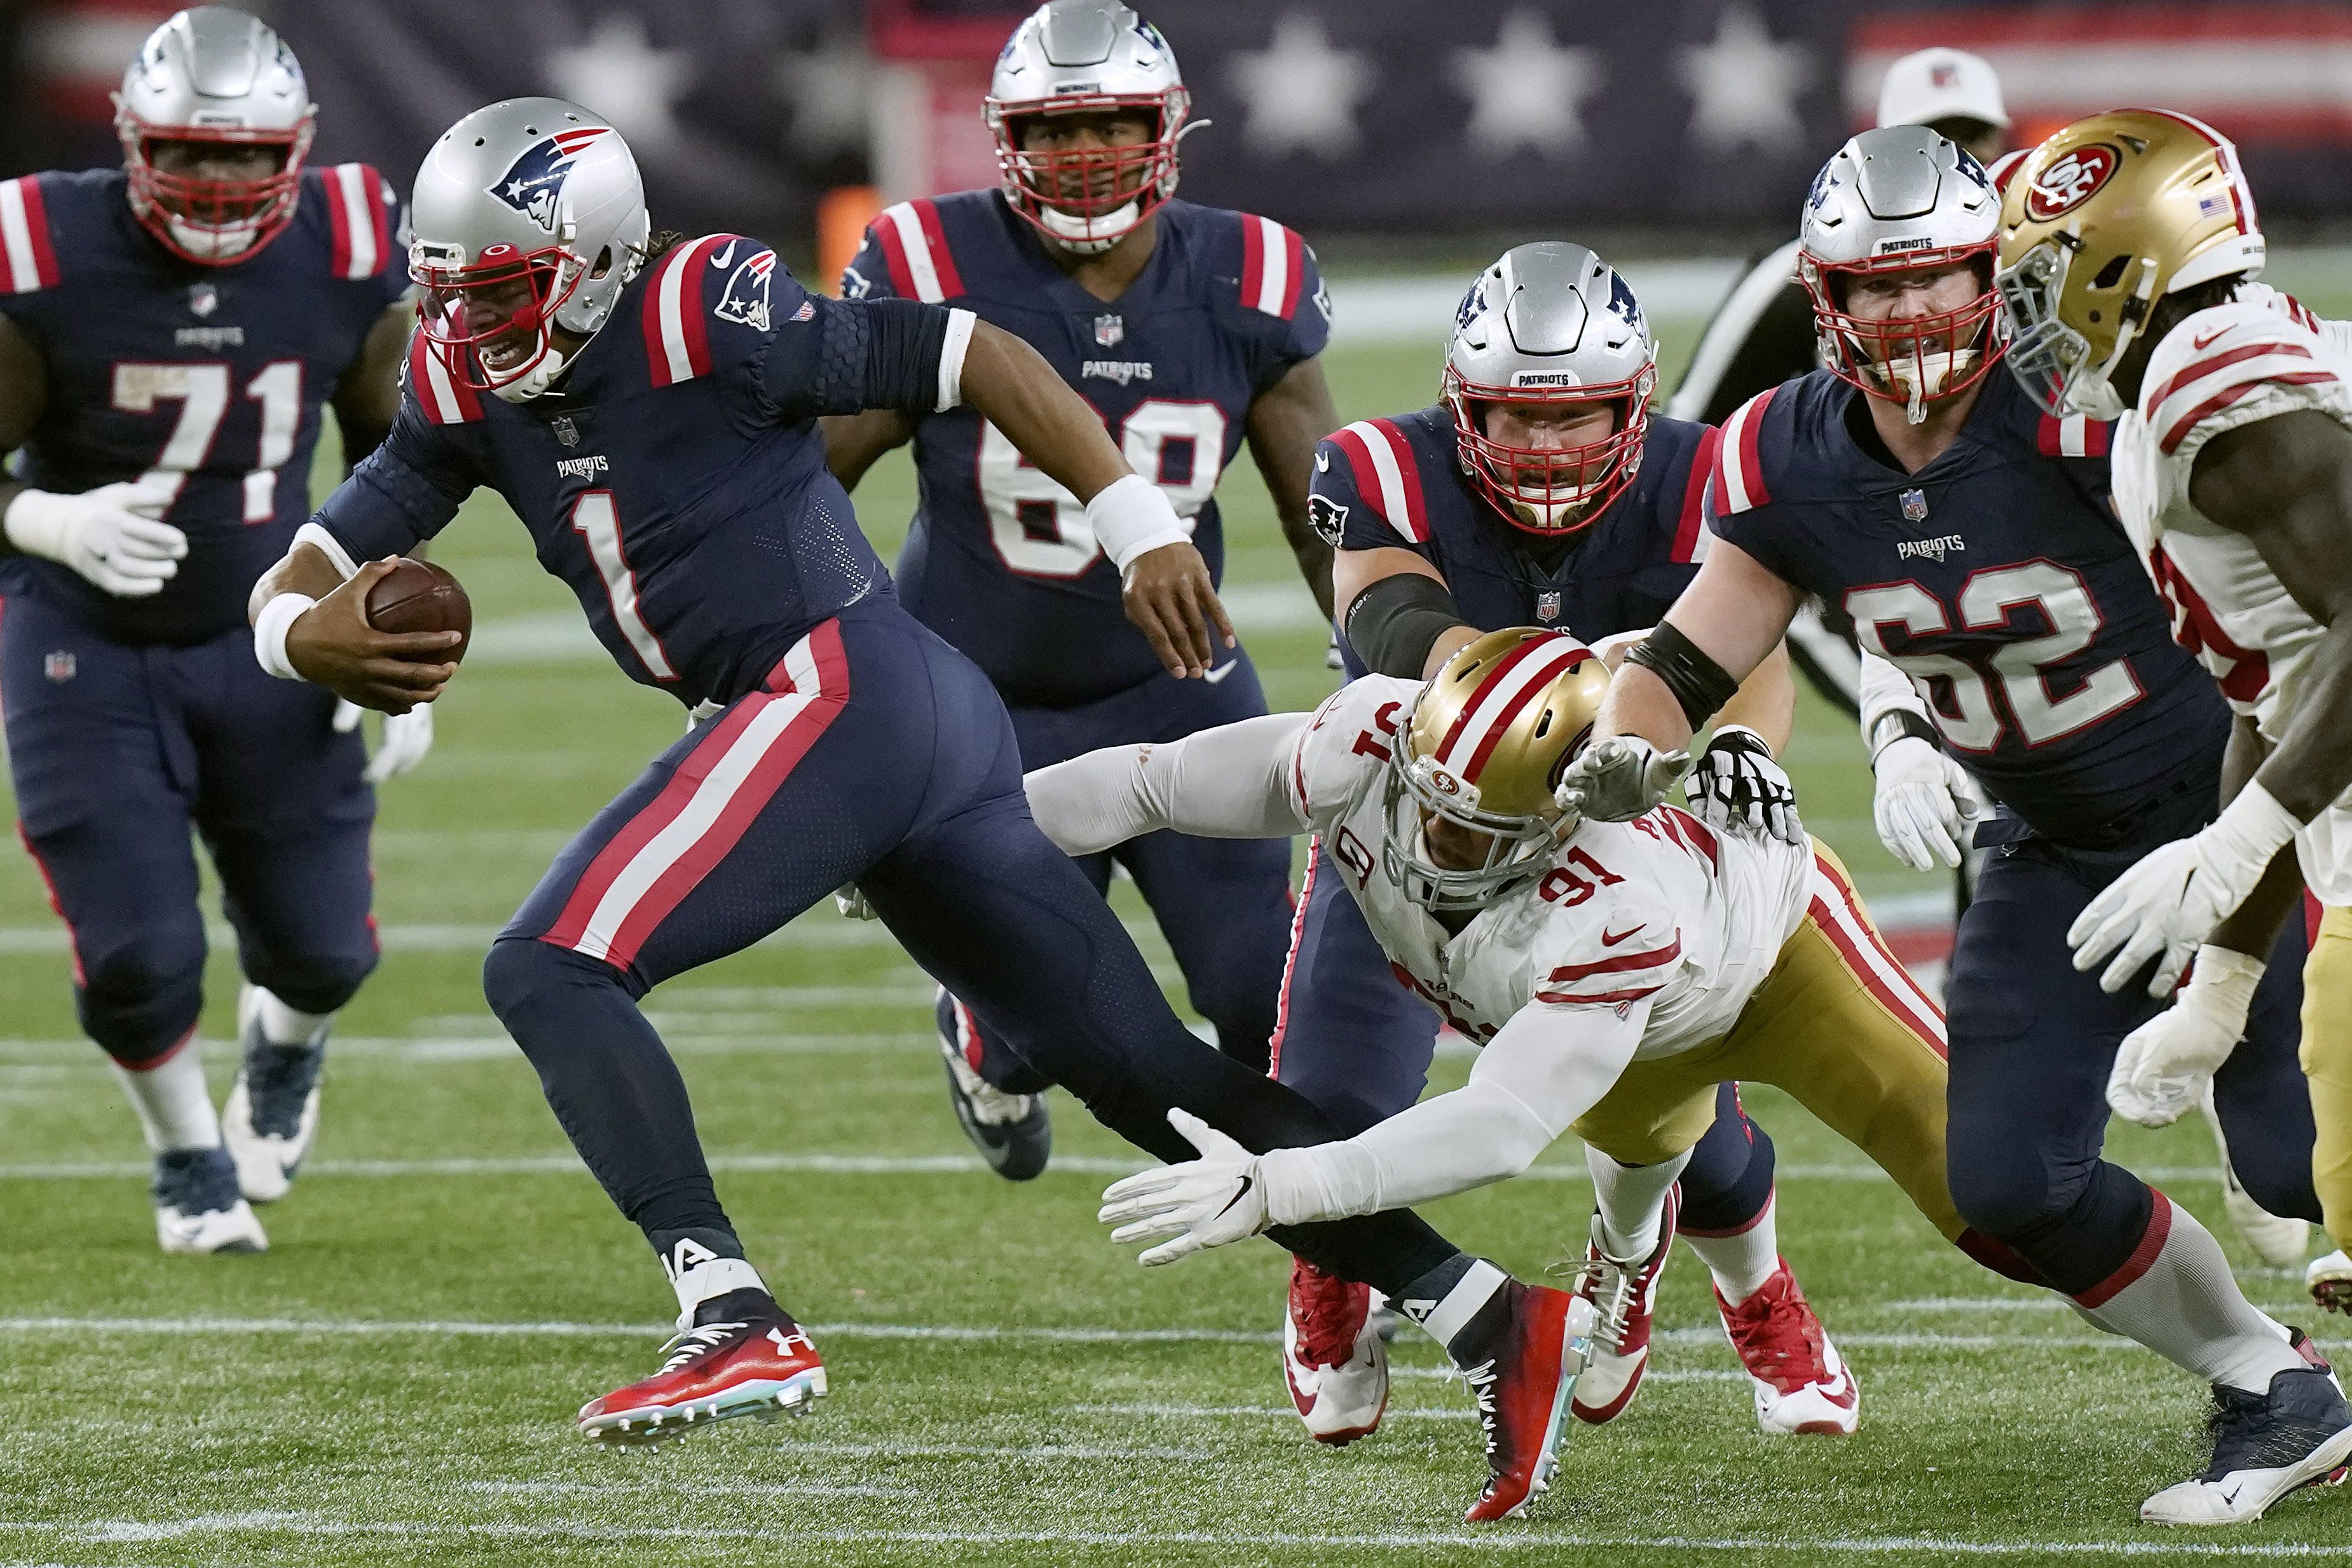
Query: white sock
[2186, 1307]
[1448, 1316]
[1632, 1200]
[176, 1110]
[715, 1278]
[1741, 1262]
[284, 1025]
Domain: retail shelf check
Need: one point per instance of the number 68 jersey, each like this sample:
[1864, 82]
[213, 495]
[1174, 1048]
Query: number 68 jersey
[1000, 562]
[1660, 913]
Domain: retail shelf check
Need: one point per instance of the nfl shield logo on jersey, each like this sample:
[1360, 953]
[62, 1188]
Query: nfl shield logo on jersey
[565, 431]
[203, 299]
[1915, 505]
[1548, 606]
[59, 667]
[1110, 330]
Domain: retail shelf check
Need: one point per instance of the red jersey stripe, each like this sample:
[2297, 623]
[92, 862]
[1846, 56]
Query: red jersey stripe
[2223, 399]
[1694, 495]
[1568, 974]
[2206, 367]
[926, 212]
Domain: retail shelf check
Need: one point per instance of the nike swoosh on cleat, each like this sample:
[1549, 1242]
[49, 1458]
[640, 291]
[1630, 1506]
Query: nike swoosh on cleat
[721, 258]
[1609, 941]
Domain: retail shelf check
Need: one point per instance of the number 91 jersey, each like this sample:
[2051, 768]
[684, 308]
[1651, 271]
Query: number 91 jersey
[203, 383]
[1000, 562]
[1998, 579]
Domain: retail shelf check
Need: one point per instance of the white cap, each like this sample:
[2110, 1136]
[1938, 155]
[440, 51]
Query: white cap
[1941, 84]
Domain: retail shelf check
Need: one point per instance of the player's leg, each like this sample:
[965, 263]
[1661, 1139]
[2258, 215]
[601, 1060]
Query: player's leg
[103, 777]
[2258, 1108]
[1729, 1215]
[286, 815]
[2033, 1043]
[2327, 1064]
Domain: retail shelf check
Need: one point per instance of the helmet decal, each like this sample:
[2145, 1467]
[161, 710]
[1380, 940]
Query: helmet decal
[2071, 181]
[534, 182]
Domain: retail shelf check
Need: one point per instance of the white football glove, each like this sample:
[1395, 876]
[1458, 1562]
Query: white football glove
[407, 737]
[1924, 803]
[2164, 1063]
[2170, 901]
[1208, 1202]
[1617, 779]
[114, 536]
[1736, 785]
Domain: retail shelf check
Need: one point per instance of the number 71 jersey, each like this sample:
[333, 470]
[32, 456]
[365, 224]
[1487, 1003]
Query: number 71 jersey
[1000, 562]
[1998, 579]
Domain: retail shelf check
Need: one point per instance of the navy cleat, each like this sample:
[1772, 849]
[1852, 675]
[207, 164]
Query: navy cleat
[272, 1112]
[1011, 1132]
[2265, 1446]
[198, 1210]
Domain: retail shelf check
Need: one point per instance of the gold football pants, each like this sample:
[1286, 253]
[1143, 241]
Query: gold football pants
[2327, 1054]
[1842, 1027]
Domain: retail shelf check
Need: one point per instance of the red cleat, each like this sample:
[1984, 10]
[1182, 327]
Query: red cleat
[1622, 1293]
[763, 1367]
[1802, 1384]
[1333, 1362]
[1523, 1394]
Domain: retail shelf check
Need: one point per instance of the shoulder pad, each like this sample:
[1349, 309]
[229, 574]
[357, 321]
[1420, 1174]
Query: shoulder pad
[915, 245]
[1690, 504]
[1273, 266]
[360, 204]
[1355, 727]
[27, 260]
[444, 399]
[1387, 474]
[684, 291]
[1737, 481]
[2217, 357]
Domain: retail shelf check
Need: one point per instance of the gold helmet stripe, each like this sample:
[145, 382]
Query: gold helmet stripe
[1515, 681]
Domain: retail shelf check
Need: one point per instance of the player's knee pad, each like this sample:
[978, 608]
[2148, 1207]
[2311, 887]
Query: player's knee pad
[320, 982]
[2010, 1192]
[2075, 1227]
[140, 999]
[1728, 1180]
[524, 972]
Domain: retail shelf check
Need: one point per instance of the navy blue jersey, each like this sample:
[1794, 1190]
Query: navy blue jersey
[204, 382]
[1998, 579]
[1398, 483]
[676, 482]
[1000, 561]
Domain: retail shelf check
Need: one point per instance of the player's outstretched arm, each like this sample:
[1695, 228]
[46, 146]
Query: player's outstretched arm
[1230, 783]
[325, 637]
[1408, 628]
[1285, 423]
[1168, 593]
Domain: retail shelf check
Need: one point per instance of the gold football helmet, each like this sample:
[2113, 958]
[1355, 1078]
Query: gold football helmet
[1483, 747]
[2099, 224]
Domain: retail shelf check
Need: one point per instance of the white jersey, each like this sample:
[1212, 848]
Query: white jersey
[1661, 910]
[2260, 355]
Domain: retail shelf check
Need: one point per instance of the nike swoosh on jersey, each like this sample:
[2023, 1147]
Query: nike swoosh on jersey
[1609, 941]
[721, 259]
[2197, 345]
[1221, 671]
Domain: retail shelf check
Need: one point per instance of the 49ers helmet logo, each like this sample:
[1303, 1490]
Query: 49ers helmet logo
[2071, 181]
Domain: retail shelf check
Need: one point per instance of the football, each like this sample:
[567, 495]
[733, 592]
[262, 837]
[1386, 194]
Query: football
[418, 596]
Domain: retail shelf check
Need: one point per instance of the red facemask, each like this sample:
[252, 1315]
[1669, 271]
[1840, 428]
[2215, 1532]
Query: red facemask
[1081, 195]
[213, 223]
[1914, 359]
[1556, 490]
[492, 323]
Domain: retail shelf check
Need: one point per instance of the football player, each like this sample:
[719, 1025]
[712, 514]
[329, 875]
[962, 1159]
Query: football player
[1967, 534]
[1189, 329]
[2128, 250]
[1539, 491]
[1612, 974]
[647, 406]
[171, 334]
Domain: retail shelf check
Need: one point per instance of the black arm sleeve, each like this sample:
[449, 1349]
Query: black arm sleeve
[856, 354]
[1395, 622]
[1698, 683]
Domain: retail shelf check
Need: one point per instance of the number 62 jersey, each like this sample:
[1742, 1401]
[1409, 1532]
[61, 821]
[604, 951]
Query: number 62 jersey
[1000, 562]
[1998, 578]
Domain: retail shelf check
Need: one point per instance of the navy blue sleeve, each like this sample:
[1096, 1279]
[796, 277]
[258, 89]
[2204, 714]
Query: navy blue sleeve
[1336, 505]
[844, 356]
[867, 276]
[403, 493]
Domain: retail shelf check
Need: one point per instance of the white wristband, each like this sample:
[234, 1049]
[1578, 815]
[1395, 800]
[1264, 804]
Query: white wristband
[1132, 515]
[270, 629]
[2254, 827]
[951, 353]
[2221, 985]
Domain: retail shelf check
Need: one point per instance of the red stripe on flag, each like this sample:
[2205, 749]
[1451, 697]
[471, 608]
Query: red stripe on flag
[1569, 974]
[2204, 367]
[2222, 400]
[1694, 495]
[943, 267]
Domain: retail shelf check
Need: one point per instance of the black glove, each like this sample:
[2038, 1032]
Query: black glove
[1736, 784]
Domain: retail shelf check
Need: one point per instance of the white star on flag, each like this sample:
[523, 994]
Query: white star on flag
[1301, 91]
[1744, 85]
[616, 72]
[1526, 90]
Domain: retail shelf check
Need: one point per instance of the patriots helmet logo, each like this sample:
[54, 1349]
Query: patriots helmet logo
[1474, 304]
[1623, 305]
[535, 181]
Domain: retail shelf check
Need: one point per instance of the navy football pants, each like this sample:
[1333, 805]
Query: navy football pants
[877, 754]
[117, 750]
[2033, 1043]
[1224, 904]
[1359, 1044]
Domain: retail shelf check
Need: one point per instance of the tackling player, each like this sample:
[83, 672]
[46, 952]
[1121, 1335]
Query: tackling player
[170, 336]
[1189, 329]
[1539, 491]
[1967, 534]
[1612, 974]
[647, 406]
[2128, 245]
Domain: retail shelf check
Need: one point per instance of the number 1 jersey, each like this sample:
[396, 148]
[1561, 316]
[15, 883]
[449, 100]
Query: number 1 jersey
[1000, 561]
[204, 384]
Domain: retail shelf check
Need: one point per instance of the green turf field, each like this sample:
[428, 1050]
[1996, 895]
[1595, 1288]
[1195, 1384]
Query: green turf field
[394, 1382]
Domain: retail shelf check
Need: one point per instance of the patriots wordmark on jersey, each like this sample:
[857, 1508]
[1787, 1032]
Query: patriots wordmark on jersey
[1997, 580]
[1000, 560]
[204, 385]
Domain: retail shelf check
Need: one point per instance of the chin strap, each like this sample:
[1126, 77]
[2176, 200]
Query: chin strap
[535, 380]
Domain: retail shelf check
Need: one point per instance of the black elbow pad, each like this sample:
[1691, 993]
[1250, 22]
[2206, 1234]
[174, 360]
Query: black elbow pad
[1698, 683]
[1393, 624]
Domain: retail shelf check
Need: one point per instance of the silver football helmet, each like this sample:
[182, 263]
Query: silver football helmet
[1076, 57]
[218, 76]
[1900, 199]
[528, 215]
[1550, 323]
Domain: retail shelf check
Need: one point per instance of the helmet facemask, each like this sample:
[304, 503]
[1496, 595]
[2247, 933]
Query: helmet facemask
[1087, 199]
[2053, 361]
[492, 323]
[1517, 848]
[209, 221]
[1913, 361]
[1555, 490]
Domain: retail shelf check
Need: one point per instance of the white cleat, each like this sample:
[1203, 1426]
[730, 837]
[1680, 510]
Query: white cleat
[2278, 1240]
[198, 1210]
[272, 1113]
[2297, 1434]
[1622, 1292]
[1334, 1362]
[2329, 1280]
